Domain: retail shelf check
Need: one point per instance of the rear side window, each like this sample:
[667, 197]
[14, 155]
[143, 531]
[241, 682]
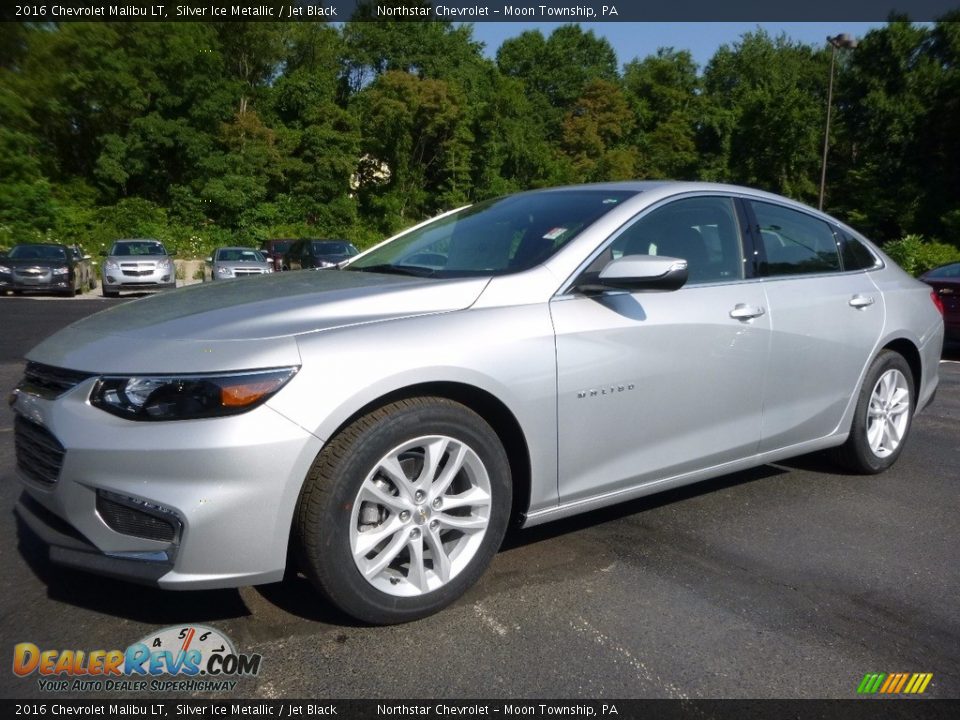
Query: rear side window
[856, 256]
[794, 243]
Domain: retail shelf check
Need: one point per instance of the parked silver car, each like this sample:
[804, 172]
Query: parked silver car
[529, 357]
[138, 265]
[235, 262]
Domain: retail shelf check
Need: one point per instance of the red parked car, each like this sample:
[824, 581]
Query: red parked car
[945, 280]
[274, 250]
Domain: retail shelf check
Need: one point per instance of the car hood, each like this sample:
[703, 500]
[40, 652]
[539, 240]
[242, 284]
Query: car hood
[240, 325]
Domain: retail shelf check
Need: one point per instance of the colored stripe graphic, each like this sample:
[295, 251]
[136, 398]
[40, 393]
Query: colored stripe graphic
[871, 683]
[894, 683]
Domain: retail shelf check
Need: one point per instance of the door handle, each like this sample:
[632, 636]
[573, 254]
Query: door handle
[742, 311]
[861, 301]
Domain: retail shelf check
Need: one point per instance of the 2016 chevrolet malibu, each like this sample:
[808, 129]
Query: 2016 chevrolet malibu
[528, 357]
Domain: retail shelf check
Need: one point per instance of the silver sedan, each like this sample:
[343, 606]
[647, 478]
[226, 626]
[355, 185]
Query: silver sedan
[526, 358]
[236, 262]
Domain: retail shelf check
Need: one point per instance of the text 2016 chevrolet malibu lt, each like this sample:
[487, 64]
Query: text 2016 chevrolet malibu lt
[528, 357]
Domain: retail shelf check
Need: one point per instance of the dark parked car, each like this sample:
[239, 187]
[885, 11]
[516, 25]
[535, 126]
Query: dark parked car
[945, 280]
[44, 267]
[315, 254]
[86, 268]
[274, 250]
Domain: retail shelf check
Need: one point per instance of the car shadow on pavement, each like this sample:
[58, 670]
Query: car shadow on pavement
[297, 596]
[518, 537]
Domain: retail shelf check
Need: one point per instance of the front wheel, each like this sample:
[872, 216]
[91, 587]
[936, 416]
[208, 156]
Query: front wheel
[404, 509]
[883, 416]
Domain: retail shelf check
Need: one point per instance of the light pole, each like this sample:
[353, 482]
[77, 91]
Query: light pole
[838, 41]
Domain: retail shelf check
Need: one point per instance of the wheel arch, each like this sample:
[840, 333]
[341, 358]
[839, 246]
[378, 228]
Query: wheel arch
[492, 410]
[909, 351]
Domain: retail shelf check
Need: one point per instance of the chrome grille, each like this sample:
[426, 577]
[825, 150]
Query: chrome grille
[50, 382]
[39, 453]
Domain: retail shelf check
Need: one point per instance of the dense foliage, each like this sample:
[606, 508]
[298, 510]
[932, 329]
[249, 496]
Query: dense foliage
[205, 134]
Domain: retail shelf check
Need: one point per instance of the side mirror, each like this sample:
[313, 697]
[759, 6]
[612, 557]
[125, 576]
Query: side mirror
[86, 257]
[640, 273]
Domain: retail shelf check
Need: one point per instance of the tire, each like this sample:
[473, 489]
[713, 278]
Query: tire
[883, 418]
[369, 481]
[108, 293]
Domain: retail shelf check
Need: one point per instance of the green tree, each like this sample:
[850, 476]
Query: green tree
[416, 145]
[767, 102]
[594, 133]
[556, 70]
[664, 91]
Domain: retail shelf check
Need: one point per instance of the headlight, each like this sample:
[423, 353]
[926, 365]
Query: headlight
[111, 265]
[4, 269]
[164, 264]
[186, 397]
[61, 270]
[225, 271]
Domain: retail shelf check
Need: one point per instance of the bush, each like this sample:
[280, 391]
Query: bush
[916, 255]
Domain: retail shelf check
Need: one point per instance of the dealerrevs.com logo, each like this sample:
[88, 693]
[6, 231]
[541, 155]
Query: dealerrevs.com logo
[178, 658]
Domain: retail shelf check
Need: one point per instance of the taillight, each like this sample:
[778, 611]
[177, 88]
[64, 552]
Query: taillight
[936, 301]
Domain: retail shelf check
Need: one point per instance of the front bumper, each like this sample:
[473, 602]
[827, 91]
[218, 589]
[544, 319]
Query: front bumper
[157, 280]
[229, 485]
[44, 283]
[69, 548]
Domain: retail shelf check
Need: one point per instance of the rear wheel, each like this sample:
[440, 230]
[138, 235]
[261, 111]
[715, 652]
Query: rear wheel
[404, 509]
[883, 416]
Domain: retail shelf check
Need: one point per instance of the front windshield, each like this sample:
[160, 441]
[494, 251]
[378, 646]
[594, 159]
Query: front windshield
[138, 247]
[37, 252]
[494, 237]
[239, 255]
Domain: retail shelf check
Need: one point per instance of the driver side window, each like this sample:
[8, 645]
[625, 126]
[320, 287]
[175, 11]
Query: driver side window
[701, 230]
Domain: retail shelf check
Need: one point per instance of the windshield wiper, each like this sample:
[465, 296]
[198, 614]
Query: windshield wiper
[389, 269]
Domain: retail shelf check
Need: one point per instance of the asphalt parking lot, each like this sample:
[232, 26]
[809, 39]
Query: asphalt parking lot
[787, 581]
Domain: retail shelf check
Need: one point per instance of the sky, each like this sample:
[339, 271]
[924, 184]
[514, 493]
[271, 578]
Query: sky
[631, 40]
